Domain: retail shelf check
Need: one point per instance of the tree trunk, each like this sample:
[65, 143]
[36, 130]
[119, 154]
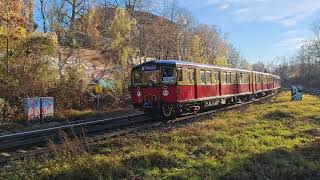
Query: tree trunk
[44, 20]
[29, 22]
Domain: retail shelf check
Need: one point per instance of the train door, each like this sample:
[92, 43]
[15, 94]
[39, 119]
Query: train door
[237, 81]
[263, 82]
[192, 82]
[249, 81]
[272, 81]
[255, 82]
[220, 83]
[217, 82]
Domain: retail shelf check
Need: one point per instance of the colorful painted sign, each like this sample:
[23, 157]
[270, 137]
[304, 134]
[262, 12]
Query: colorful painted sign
[32, 108]
[47, 107]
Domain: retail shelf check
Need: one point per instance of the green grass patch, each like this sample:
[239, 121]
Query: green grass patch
[276, 140]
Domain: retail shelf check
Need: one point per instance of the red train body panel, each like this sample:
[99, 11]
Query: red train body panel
[179, 85]
[186, 92]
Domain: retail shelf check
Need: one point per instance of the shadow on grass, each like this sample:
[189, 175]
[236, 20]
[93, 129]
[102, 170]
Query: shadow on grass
[315, 118]
[278, 115]
[280, 164]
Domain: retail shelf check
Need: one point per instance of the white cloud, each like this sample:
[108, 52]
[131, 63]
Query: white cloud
[292, 39]
[224, 7]
[297, 33]
[291, 43]
[285, 12]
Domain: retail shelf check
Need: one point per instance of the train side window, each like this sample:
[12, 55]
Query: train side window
[179, 74]
[245, 78]
[225, 78]
[240, 78]
[229, 77]
[234, 78]
[202, 77]
[191, 76]
[209, 77]
[216, 77]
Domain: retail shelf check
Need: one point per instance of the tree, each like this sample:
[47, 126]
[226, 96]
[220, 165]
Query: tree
[62, 16]
[43, 15]
[87, 24]
[28, 8]
[234, 58]
[74, 9]
[245, 65]
[259, 66]
[73, 85]
[185, 23]
[12, 29]
[196, 50]
[120, 49]
[32, 66]
[221, 61]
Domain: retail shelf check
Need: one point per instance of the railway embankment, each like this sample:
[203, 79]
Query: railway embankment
[275, 140]
[69, 117]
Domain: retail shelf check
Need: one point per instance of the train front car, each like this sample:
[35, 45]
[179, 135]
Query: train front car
[154, 88]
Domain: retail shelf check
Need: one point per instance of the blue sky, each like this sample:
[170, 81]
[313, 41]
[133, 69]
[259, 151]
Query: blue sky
[260, 29]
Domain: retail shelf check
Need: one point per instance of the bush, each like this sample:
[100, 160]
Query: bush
[72, 91]
[7, 113]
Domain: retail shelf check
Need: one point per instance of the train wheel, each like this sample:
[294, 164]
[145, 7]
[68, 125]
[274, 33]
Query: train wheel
[167, 112]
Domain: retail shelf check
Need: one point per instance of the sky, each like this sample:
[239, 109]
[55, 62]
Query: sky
[260, 29]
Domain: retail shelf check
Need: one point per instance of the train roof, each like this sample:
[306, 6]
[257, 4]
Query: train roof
[187, 63]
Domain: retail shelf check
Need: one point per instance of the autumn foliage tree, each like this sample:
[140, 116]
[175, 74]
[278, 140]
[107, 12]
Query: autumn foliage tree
[40, 63]
[196, 50]
[120, 49]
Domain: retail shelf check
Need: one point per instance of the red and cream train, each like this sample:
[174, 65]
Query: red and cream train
[168, 87]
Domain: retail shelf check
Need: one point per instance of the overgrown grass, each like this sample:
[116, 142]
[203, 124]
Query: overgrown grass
[277, 140]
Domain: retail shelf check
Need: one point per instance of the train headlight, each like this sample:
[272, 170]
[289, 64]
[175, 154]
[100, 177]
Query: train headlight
[165, 91]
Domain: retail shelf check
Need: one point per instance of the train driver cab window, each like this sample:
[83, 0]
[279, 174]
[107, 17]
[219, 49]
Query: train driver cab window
[203, 77]
[137, 77]
[168, 75]
[191, 76]
[209, 77]
[179, 74]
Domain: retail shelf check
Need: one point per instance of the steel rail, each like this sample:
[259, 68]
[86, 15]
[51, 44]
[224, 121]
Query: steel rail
[312, 91]
[15, 135]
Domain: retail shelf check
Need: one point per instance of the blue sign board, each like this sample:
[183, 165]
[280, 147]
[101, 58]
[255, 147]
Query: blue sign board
[296, 93]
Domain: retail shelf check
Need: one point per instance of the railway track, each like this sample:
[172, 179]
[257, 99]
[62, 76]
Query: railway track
[32, 143]
[19, 145]
[315, 92]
